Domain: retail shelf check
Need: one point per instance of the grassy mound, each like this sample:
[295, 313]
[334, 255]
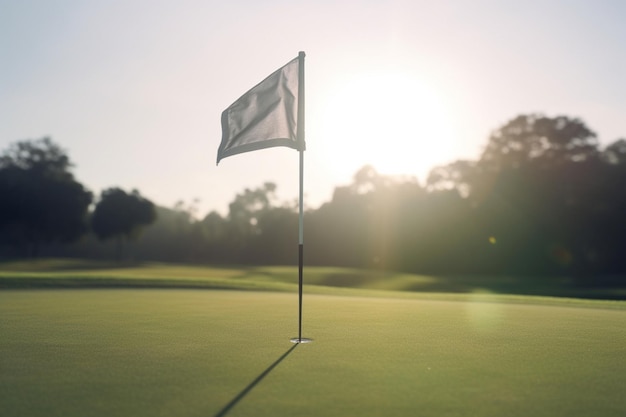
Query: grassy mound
[68, 273]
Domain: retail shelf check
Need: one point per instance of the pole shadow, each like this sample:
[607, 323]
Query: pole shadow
[250, 386]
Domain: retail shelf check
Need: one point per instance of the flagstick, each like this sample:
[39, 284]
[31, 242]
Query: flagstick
[300, 247]
[272, 126]
[301, 142]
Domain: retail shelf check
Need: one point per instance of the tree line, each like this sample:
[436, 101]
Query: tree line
[542, 198]
[41, 203]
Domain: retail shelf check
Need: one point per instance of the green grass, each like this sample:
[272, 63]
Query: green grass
[165, 352]
[385, 343]
[70, 273]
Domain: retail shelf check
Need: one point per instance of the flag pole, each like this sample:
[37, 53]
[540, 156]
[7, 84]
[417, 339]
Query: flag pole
[264, 117]
[300, 247]
[301, 142]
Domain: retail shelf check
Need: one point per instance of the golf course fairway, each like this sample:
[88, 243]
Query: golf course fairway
[171, 352]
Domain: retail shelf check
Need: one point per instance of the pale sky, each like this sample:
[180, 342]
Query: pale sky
[134, 89]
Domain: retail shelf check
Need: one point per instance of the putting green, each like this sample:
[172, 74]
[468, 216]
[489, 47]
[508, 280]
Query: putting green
[209, 353]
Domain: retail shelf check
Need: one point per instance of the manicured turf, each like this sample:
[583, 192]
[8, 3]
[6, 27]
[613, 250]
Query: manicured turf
[72, 273]
[166, 352]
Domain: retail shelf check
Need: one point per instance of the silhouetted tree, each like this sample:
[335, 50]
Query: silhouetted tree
[40, 201]
[609, 208]
[121, 216]
[171, 237]
[533, 191]
[214, 230]
[243, 218]
[276, 240]
[360, 226]
[461, 175]
[541, 199]
[615, 153]
[535, 137]
[548, 171]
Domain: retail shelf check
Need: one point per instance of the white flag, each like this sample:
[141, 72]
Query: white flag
[265, 116]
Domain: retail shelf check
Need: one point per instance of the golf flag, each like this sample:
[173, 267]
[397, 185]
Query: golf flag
[272, 114]
[265, 116]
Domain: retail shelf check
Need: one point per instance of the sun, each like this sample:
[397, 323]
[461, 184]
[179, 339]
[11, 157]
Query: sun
[390, 120]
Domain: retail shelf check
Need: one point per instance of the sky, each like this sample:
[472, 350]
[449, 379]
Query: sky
[133, 90]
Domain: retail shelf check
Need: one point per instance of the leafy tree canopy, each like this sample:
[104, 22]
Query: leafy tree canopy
[535, 137]
[41, 156]
[40, 202]
[121, 214]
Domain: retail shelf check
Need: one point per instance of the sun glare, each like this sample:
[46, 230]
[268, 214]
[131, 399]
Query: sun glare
[391, 121]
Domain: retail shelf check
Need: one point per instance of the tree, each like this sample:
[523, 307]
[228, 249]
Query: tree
[459, 175]
[214, 230]
[40, 201]
[121, 216]
[609, 207]
[542, 183]
[535, 137]
[615, 153]
[243, 216]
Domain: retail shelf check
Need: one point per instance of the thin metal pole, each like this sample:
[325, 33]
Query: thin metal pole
[301, 141]
[300, 249]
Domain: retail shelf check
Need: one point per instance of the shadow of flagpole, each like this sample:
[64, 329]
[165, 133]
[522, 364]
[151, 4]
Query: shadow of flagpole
[258, 379]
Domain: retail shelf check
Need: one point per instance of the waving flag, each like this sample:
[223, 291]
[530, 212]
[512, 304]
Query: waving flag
[265, 116]
[272, 114]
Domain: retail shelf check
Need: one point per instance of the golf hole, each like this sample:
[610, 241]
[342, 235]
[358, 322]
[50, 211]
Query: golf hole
[301, 340]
